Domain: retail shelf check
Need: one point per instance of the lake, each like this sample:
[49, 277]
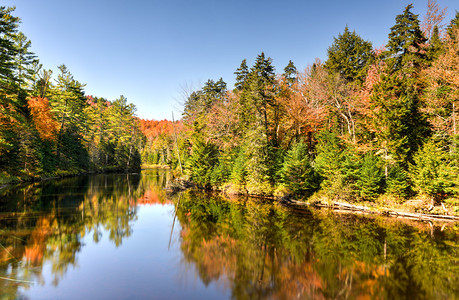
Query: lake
[122, 236]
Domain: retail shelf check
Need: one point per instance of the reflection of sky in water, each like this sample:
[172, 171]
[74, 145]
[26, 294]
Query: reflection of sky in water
[219, 248]
[142, 267]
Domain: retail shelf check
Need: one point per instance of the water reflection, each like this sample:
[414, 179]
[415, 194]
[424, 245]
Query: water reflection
[46, 222]
[263, 251]
[250, 249]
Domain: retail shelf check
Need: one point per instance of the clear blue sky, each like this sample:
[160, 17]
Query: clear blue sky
[148, 50]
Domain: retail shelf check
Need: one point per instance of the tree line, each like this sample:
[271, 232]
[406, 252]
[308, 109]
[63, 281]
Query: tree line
[363, 123]
[48, 125]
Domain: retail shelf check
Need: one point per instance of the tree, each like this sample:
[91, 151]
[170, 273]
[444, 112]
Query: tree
[442, 91]
[290, 73]
[451, 29]
[241, 75]
[432, 19]
[434, 172]
[349, 56]
[297, 173]
[405, 51]
[398, 124]
[370, 177]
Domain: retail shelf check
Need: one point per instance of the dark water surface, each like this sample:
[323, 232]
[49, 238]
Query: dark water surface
[122, 236]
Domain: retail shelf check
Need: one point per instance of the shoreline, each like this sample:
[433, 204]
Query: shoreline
[398, 211]
[65, 174]
[344, 207]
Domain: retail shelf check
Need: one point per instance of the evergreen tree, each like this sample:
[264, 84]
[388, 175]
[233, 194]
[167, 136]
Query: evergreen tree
[335, 163]
[370, 177]
[241, 75]
[10, 117]
[398, 182]
[350, 56]
[404, 49]
[297, 173]
[399, 125]
[434, 171]
[290, 73]
[435, 45]
[452, 27]
[8, 29]
[203, 160]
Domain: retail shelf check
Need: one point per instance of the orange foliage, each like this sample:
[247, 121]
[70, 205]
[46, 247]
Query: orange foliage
[152, 197]
[34, 252]
[152, 128]
[42, 116]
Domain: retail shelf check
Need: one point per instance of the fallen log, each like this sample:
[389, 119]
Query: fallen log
[340, 206]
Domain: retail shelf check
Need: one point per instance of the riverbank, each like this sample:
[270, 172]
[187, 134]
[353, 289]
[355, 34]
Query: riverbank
[416, 208]
[8, 180]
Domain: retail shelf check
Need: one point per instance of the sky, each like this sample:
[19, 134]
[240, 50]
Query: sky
[153, 52]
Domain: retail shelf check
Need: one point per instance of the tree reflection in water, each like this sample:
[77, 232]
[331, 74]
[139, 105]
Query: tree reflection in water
[261, 250]
[255, 249]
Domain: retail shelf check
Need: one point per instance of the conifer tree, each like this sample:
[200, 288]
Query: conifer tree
[434, 171]
[350, 56]
[451, 29]
[290, 73]
[399, 125]
[297, 173]
[435, 45]
[241, 75]
[370, 177]
[405, 46]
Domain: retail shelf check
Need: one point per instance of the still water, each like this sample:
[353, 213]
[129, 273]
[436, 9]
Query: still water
[121, 236]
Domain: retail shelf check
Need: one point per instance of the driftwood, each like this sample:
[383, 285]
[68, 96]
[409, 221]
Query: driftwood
[339, 206]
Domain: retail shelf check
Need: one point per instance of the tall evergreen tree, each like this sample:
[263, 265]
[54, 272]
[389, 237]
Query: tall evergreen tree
[350, 56]
[435, 45]
[453, 25]
[290, 73]
[405, 47]
[241, 75]
[398, 122]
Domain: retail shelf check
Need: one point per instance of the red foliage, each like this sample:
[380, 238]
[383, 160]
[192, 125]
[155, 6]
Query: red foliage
[153, 129]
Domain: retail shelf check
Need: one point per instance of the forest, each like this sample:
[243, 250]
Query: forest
[49, 127]
[368, 123]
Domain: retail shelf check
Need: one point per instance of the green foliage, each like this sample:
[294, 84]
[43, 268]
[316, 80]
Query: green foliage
[398, 182]
[350, 56]
[290, 73]
[370, 178]
[297, 174]
[435, 45]
[239, 171]
[335, 163]
[452, 27]
[404, 52]
[435, 172]
[203, 159]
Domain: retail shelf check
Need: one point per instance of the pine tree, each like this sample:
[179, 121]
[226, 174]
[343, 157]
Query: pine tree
[349, 56]
[434, 171]
[435, 45]
[297, 173]
[370, 177]
[405, 47]
[453, 25]
[290, 73]
[203, 159]
[335, 163]
[10, 117]
[241, 75]
[398, 123]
